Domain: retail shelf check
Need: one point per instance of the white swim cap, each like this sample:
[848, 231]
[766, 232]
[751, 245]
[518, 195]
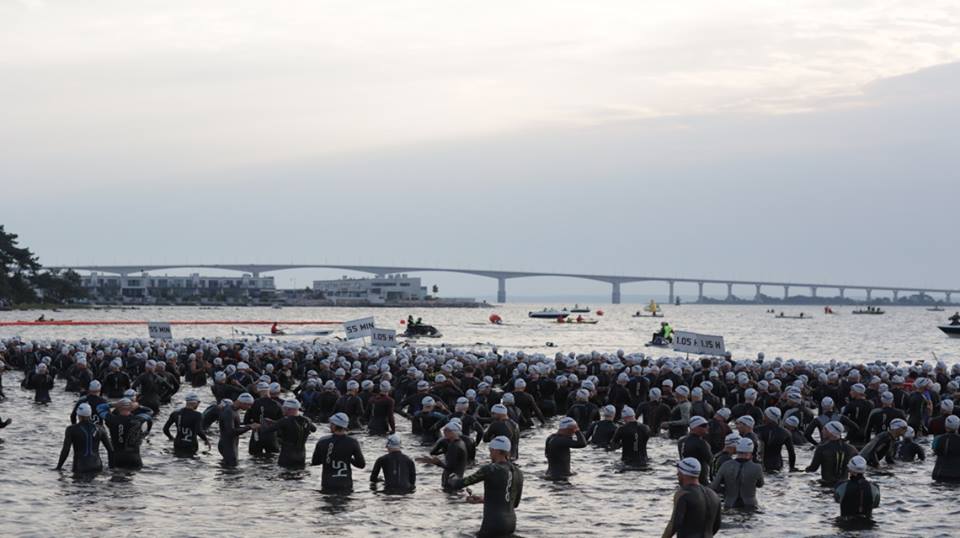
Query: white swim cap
[697, 421]
[340, 419]
[746, 420]
[835, 428]
[427, 401]
[84, 410]
[291, 404]
[627, 411]
[192, 397]
[952, 423]
[567, 422]
[499, 409]
[393, 441]
[773, 413]
[792, 421]
[857, 465]
[731, 439]
[689, 467]
[500, 442]
[898, 424]
[245, 398]
[745, 446]
[94, 386]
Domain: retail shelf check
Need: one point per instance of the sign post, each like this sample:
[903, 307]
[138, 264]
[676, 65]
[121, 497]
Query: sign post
[358, 328]
[159, 330]
[698, 344]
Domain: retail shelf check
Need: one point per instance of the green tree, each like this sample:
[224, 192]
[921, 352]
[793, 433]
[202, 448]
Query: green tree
[17, 266]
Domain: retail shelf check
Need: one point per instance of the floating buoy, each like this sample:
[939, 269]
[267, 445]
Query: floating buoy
[403, 322]
[495, 319]
[599, 312]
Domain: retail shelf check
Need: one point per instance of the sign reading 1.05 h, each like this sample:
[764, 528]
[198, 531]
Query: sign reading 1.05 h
[358, 328]
[384, 337]
[698, 344]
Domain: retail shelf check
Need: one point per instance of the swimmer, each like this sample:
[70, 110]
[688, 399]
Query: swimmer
[694, 445]
[338, 453]
[857, 496]
[454, 453]
[696, 508]
[502, 426]
[601, 431]
[502, 490]
[739, 478]
[558, 447]
[92, 398]
[231, 429]
[947, 449]
[907, 449]
[727, 454]
[632, 437]
[84, 438]
[773, 438]
[126, 424]
[882, 445]
[189, 424]
[399, 472]
[291, 432]
[832, 455]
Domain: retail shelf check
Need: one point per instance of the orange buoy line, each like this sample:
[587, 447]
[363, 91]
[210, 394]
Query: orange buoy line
[55, 323]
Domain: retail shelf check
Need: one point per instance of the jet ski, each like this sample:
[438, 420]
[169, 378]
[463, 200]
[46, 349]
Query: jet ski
[421, 331]
[658, 341]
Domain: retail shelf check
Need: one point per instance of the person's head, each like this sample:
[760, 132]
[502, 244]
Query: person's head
[833, 430]
[125, 406]
[84, 412]
[744, 448]
[886, 399]
[452, 430]
[730, 442]
[745, 424]
[499, 449]
[263, 389]
[858, 391]
[857, 466]
[946, 407]
[826, 404]
[952, 424]
[275, 389]
[244, 401]
[897, 427]
[568, 426]
[192, 400]
[428, 403]
[771, 415]
[499, 412]
[394, 444]
[688, 471]
[722, 415]
[791, 423]
[655, 394]
[94, 388]
[698, 426]
[291, 408]
[519, 385]
[608, 412]
[339, 423]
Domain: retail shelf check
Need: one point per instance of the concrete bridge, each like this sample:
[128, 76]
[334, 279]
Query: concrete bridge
[615, 281]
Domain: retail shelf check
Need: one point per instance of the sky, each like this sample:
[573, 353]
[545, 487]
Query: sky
[806, 141]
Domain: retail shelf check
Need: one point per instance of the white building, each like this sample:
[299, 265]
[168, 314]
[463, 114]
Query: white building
[391, 288]
[195, 286]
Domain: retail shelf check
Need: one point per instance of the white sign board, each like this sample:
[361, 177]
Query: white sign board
[159, 330]
[384, 337]
[698, 344]
[358, 328]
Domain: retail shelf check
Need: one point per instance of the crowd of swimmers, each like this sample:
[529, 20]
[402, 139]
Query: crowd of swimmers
[732, 418]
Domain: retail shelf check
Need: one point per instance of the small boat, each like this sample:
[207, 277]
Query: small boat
[935, 309]
[548, 313]
[583, 321]
[421, 331]
[577, 309]
[953, 331]
[781, 315]
[869, 311]
[276, 306]
[642, 315]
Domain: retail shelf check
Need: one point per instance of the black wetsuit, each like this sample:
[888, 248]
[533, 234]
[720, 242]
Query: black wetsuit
[263, 442]
[381, 415]
[857, 497]
[773, 438]
[600, 432]
[908, 450]
[291, 432]
[557, 451]
[230, 432]
[455, 458]
[508, 429]
[947, 449]
[189, 427]
[115, 384]
[126, 434]
[696, 512]
[832, 458]
[632, 437]
[85, 439]
[337, 453]
[584, 413]
[94, 402]
[880, 447]
[654, 414]
[399, 472]
[502, 491]
[693, 446]
[859, 412]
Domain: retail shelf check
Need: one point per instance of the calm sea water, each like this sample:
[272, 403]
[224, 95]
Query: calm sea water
[196, 497]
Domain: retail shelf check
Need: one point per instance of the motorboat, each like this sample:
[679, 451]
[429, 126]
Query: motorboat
[421, 331]
[579, 320]
[577, 309]
[953, 331]
[659, 341]
[549, 313]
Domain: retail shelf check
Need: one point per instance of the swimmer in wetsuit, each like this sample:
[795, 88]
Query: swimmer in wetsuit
[84, 438]
[455, 453]
[230, 428]
[947, 449]
[291, 431]
[502, 490]
[696, 508]
[399, 471]
[126, 426]
[632, 437]
[601, 431]
[558, 447]
[338, 453]
[832, 455]
[857, 496]
[189, 424]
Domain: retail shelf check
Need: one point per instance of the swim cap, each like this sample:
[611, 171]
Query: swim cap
[453, 426]
[745, 446]
[463, 401]
[393, 441]
[952, 423]
[826, 402]
[94, 386]
[422, 385]
[567, 422]
[582, 394]
[366, 384]
[291, 404]
[192, 397]
[909, 433]
[500, 443]
[773, 413]
[340, 419]
[746, 420]
[124, 402]
[427, 401]
[508, 399]
[858, 388]
[697, 392]
[245, 398]
[898, 424]
[219, 376]
[627, 411]
[84, 410]
[352, 385]
[499, 409]
[792, 421]
[731, 439]
[440, 378]
[384, 386]
[857, 465]
[667, 383]
[263, 386]
[226, 402]
[274, 388]
[608, 411]
[520, 384]
[946, 406]
[834, 428]
[750, 395]
[655, 393]
[724, 412]
[886, 397]
[697, 421]
[683, 391]
[689, 467]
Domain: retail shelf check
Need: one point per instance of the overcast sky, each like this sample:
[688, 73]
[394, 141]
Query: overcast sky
[810, 141]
